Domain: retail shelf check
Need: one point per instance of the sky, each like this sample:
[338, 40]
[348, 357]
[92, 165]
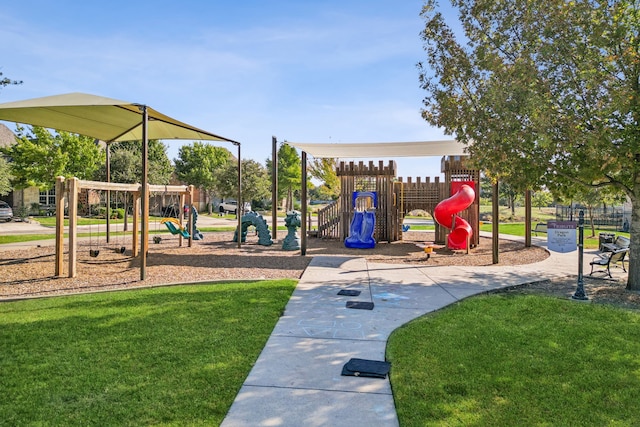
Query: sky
[303, 71]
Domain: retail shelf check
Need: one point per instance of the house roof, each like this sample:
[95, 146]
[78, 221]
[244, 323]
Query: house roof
[7, 137]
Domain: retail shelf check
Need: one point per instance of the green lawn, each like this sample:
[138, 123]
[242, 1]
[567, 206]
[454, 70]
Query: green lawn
[507, 360]
[178, 356]
[162, 356]
[505, 214]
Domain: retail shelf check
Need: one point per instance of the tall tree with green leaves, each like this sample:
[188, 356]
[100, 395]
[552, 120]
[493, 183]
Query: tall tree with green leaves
[255, 181]
[39, 156]
[541, 198]
[324, 170]
[201, 165]
[543, 92]
[5, 177]
[126, 163]
[289, 174]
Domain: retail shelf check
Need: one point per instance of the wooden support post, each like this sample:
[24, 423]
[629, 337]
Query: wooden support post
[240, 205]
[190, 219]
[181, 218]
[73, 226]
[145, 193]
[135, 243]
[108, 210]
[495, 221]
[274, 188]
[60, 202]
[527, 218]
[303, 200]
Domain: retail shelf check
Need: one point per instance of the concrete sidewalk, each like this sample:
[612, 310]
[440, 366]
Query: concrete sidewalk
[297, 380]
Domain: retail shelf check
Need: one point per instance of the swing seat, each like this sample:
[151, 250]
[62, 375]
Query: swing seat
[174, 227]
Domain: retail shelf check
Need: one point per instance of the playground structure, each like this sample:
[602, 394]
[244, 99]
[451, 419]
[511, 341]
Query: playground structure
[292, 241]
[252, 218]
[396, 198]
[174, 227]
[363, 222]
[192, 225]
[69, 192]
[445, 213]
[174, 224]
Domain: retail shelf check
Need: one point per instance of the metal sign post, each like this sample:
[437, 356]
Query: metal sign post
[580, 294]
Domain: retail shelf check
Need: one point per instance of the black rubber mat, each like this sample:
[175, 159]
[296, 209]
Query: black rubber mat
[366, 368]
[360, 305]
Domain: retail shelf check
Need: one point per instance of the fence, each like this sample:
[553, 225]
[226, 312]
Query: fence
[610, 218]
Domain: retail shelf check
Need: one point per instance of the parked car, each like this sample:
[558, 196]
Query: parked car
[6, 212]
[232, 206]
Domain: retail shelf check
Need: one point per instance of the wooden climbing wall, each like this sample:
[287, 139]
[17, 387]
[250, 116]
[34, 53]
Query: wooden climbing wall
[424, 195]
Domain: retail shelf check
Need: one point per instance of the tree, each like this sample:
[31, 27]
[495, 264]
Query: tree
[201, 165]
[510, 195]
[5, 81]
[289, 174]
[544, 92]
[126, 163]
[541, 198]
[5, 177]
[125, 166]
[255, 181]
[591, 199]
[39, 156]
[325, 170]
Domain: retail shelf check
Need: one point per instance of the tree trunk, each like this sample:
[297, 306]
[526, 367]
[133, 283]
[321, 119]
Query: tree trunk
[633, 281]
[289, 199]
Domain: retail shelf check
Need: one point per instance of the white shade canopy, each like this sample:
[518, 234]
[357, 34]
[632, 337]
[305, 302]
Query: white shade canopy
[381, 149]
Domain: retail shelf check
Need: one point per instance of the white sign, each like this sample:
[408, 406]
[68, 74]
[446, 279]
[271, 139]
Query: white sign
[561, 236]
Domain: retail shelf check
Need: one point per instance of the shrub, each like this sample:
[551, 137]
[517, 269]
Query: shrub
[117, 213]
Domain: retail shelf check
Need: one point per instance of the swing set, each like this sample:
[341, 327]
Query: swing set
[102, 209]
[172, 214]
[70, 190]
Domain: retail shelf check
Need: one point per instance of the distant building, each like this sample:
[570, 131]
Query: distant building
[27, 197]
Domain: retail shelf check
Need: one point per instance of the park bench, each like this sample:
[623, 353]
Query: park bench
[540, 227]
[605, 259]
[621, 242]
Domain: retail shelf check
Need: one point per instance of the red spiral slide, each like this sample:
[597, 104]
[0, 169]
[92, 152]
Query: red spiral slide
[445, 214]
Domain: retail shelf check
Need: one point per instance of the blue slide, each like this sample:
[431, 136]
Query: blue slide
[361, 231]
